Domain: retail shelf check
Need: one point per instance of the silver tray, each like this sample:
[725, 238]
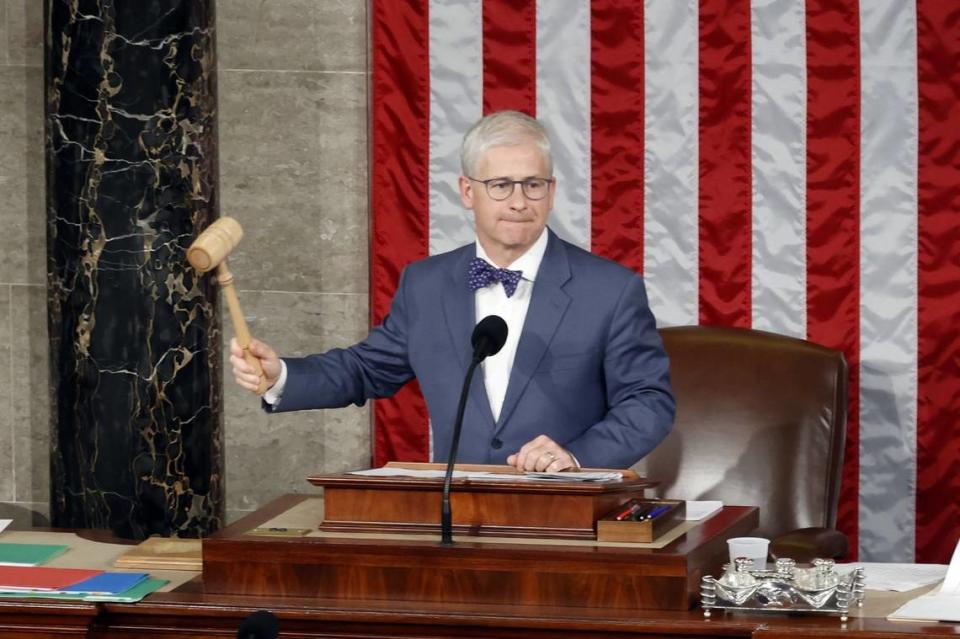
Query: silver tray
[819, 589]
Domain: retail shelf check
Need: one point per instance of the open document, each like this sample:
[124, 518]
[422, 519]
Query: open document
[942, 604]
[393, 471]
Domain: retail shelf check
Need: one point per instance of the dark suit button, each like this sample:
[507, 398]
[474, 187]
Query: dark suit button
[496, 443]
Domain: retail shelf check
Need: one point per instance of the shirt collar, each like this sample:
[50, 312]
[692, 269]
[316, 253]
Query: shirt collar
[529, 262]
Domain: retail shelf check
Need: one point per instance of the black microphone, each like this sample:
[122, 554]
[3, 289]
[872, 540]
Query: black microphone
[488, 338]
[262, 624]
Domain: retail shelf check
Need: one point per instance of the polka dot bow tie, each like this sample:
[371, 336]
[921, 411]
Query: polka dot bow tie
[482, 273]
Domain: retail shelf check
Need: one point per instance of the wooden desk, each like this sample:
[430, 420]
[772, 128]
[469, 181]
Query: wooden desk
[189, 612]
[416, 568]
[192, 611]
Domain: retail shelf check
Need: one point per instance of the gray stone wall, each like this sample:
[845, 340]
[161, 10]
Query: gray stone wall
[24, 385]
[293, 169]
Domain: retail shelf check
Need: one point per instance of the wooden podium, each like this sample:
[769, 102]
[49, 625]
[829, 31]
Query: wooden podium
[357, 555]
[498, 508]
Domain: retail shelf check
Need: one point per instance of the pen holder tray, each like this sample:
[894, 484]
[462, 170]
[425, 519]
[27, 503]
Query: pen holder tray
[817, 589]
[647, 531]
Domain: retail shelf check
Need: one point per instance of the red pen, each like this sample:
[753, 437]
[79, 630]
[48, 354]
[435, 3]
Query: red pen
[628, 510]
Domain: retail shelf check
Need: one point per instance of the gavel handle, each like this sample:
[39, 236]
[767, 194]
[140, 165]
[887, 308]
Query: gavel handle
[225, 278]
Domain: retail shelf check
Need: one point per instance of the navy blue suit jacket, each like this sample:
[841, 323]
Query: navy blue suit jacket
[590, 370]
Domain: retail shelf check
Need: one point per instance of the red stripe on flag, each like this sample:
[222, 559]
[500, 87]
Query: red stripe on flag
[399, 183]
[510, 56]
[938, 275]
[725, 166]
[833, 210]
[616, 131]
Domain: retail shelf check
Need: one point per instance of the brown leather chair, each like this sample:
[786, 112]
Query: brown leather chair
[761, 421]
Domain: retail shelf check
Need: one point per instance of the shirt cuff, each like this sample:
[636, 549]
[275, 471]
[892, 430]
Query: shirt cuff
[275, 392]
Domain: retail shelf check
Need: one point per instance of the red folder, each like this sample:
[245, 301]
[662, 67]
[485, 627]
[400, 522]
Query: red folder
[27, 578]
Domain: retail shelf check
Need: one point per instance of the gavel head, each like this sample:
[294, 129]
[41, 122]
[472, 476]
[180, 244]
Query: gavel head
[214, 245]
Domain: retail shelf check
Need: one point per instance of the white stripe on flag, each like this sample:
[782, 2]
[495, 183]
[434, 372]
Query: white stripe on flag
[671, 133]
[888, 281]
[778, 136]
[456, 87]
[563, 104]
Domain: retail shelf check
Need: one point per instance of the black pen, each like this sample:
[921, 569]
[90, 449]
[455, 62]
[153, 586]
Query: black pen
[656, 512]
[641, 514]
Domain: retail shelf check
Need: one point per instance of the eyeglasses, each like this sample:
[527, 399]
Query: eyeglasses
[534, 188]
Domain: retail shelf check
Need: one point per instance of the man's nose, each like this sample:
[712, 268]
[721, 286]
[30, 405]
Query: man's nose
[517, 199]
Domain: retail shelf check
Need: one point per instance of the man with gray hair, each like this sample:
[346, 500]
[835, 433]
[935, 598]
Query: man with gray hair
[582, 378]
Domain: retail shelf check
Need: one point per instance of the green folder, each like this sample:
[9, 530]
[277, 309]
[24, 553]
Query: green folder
[29, 554]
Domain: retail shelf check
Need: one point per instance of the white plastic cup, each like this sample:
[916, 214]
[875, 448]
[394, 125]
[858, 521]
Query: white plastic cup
[754, 548]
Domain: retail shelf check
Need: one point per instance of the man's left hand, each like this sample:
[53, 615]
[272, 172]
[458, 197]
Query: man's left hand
[543, 455]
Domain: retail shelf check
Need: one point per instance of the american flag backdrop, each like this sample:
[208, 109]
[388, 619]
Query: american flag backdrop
[786, 165]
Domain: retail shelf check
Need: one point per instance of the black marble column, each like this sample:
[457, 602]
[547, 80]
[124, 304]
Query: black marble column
[135, 334]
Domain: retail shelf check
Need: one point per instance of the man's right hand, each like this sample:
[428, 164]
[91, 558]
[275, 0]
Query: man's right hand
[244, 374]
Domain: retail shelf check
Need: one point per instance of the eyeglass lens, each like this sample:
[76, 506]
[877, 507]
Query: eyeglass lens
[533, 188]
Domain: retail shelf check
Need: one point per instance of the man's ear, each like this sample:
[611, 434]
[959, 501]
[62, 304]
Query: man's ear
[466, 192]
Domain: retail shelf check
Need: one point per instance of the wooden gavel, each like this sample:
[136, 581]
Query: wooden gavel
[209, 251]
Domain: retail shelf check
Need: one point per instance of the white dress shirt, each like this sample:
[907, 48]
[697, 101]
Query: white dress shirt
[493, 300]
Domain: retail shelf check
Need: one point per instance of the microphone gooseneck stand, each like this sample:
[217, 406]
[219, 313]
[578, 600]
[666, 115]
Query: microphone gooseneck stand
[488, 338]
[446, 522]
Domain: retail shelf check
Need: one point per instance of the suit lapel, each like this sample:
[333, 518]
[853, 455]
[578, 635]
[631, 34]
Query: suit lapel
[548, 303]
[459, 309]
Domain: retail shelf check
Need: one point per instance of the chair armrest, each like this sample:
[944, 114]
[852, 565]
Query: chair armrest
[807, 544]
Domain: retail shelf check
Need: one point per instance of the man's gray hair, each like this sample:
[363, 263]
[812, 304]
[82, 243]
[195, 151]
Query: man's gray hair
[502, 128]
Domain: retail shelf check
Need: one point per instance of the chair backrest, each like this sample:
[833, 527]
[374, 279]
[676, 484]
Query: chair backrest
[761, 421]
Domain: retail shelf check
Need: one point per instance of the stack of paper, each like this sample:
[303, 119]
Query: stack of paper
[580, 476]
[29, 554]
[577, 476]
[943, 604]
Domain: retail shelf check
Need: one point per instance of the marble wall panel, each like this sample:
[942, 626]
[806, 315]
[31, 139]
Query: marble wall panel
[24, 32]
[293, 172]
[269, 455]
[30, 386]
[293, 141]
[293, 35]
[7, 473]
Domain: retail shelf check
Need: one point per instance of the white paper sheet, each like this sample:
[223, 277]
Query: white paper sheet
[697, 510]
[935, 607]
[899, 577]
[942, 604]
[951, 583]
[4, 523]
